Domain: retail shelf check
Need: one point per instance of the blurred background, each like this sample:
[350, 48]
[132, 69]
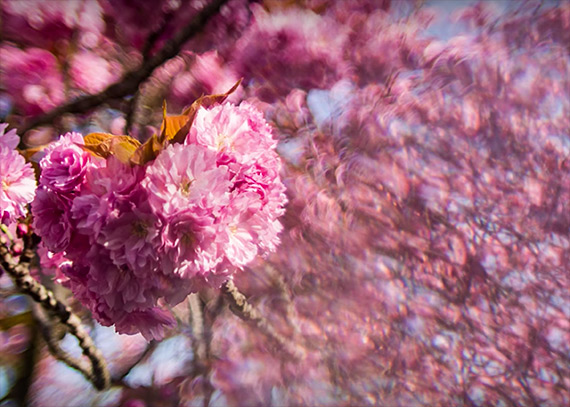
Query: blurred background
[426, 154]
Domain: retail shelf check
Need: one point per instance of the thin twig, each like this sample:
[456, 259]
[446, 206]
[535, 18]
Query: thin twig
[197, 316]
[142, 357]
[130, 82]
[97, 373]
[240, 307]
[200, 345]
[131, 112]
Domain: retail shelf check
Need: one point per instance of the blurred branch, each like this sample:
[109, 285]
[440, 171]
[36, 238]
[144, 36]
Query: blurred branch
[197, 315]
[143, 356]
[200, 345]
[155, 35]
[130, 82]
[97, 373]
[131, 112]
[52, 336]
[240, 307]
[25, 372]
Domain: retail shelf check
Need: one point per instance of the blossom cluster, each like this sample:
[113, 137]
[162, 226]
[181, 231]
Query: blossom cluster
[17, 180]
[136, 237]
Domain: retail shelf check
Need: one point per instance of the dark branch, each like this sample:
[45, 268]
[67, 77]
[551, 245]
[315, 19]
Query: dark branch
[97, 373]
[118, 381]
[131, 81]
[240, 307]
[155, 35]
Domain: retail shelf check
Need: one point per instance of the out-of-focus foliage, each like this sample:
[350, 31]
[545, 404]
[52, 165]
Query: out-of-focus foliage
[426, 148]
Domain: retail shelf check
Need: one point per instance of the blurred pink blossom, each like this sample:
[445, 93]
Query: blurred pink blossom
[92, 73]
[32, 77]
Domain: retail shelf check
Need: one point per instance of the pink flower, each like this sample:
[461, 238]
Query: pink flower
[107, 182]
[91, 72]
[64, 165]
[17, 179]
[32, 78]
[42, 23]
[189, 247]
[186, 178]
[259, 177]
[206, 75]
[118, 286]
[243, 141]
[289, 49]
[150, 323]
[235, 132]
[132, 234]
[235, 234]
[140, 236]
[9, 140]
[51, 219]
[53, 264]
[90, 213]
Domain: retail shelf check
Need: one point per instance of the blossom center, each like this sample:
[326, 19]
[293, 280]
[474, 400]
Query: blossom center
[5, 185]
[140, 229]
[222, 142]
[185, 185]
[188, 239]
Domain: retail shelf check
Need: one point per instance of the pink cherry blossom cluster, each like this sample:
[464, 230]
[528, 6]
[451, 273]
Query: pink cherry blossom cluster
[135, 238]
[17, 180]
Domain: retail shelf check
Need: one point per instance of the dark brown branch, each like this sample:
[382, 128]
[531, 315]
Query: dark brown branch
[48, 329]
[240, 307]
[130, 82]
[155, 35]
[97, 373]
[131, 112]
[148, 46]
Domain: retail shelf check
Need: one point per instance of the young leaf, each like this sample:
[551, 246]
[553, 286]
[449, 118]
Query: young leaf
[95, 143]
[174, 129]
[105, 144]
[123, 147]
[171, 124]
[190, 112]
[147, 151]
[97, 138]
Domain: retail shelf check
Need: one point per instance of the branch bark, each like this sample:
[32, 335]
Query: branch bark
[130, 82]
[97, 372]
[240, 307]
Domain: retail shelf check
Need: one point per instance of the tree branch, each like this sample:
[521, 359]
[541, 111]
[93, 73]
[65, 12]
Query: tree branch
[97, 373]
[130, 82]
[200, 345]
[197, 315]
[25, 373]
[118, 381]
[240, 307]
